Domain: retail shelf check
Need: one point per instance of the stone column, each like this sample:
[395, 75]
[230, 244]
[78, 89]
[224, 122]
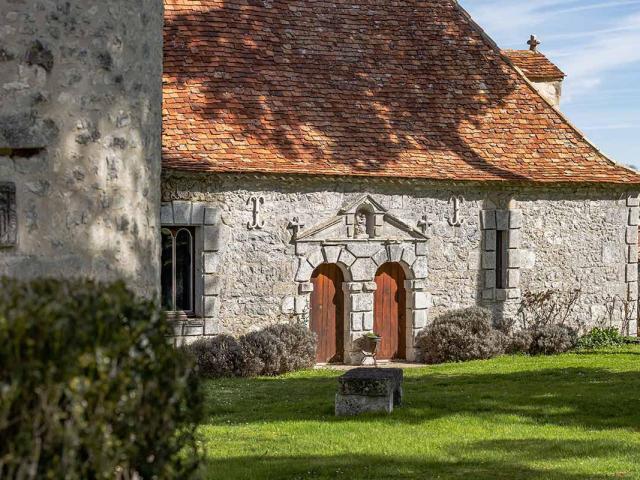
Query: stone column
[359, 300]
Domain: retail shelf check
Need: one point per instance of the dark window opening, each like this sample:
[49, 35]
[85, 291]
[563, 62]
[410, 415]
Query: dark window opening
[501, 259]
[20, 152]
[177, 272]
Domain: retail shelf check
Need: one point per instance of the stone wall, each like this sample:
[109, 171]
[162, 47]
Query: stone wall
[550, 91]
[80, 121]
[561, 238]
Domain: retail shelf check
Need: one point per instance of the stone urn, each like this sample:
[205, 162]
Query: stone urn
[371, 344]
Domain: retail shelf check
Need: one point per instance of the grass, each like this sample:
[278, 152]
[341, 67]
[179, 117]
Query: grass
[569, 417]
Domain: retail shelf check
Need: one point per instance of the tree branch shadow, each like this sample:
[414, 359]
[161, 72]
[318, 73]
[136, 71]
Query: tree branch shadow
[298, 86]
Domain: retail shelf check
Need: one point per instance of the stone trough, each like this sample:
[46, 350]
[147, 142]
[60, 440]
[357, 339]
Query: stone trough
[364, 390]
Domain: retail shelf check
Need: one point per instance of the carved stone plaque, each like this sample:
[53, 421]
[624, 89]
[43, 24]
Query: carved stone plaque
[8, 217]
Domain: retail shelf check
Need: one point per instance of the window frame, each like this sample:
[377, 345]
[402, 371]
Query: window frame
[175, 231]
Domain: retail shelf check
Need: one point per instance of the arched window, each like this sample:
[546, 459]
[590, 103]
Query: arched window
[177, 270]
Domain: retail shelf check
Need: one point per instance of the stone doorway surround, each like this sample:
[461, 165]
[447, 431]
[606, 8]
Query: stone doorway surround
[359, 239]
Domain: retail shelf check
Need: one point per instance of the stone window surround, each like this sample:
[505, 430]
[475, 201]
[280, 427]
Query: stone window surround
[511, 222]
[359, 262]
[209, 230]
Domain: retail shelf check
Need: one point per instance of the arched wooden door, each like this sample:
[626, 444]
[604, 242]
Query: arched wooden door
[389, 312]
[327, 313]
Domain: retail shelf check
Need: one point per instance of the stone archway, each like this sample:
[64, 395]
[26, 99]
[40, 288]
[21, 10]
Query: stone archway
[359, 248]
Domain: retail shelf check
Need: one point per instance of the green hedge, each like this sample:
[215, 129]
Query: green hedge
[91, 386]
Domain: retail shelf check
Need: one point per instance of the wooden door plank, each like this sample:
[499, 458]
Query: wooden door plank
[389, 306]
[327, 313]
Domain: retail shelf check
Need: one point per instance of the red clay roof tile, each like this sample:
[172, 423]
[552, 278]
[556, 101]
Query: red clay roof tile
[409, 88]
[535, 66]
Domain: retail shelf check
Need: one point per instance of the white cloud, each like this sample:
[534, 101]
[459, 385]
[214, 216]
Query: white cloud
[588, 62]
[597, 6]
[615, 126]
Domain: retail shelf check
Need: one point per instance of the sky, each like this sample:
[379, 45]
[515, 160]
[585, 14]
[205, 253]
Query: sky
[597, 44]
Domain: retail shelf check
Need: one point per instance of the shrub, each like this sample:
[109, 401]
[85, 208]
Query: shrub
[299, 346]
[219, 356]
[273, 350]
[278, 349]
[91, 386]
[519, 342]
[264, 353]
[553, 339]
[461, 335]
[601, 337]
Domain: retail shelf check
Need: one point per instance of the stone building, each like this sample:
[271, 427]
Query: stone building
[359, 166]
[363, 166]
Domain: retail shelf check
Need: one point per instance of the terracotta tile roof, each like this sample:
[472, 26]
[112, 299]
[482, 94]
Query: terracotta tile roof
[535, 65]
[409, 88]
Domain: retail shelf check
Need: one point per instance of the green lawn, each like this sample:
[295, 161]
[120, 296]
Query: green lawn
[569, 417]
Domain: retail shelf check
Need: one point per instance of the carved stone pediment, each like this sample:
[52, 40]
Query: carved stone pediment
[361, 220]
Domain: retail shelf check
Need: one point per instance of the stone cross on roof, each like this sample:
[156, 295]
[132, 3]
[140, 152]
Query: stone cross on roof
[533, 43]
